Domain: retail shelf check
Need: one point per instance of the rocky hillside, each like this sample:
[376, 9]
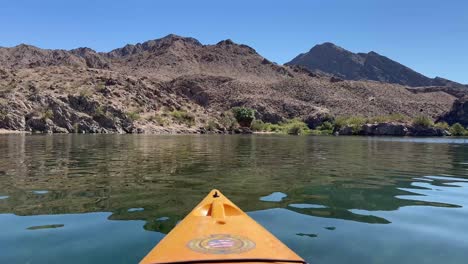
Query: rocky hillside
[331, 59]
[178, 85]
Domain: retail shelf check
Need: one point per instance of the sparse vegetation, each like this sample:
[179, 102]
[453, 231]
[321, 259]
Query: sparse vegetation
[326, 128]
[133, 115]
[211, 125]
[48, 114]
[244, 115]
[423, 121]
[295, 127]
[355, 122]
[158, 119]
[442, 125]
[100, 111]
[228, 120]
[85, 93]
[259, 125]
[183, 117]
[458, 130]
[388, 118]
[101, 88]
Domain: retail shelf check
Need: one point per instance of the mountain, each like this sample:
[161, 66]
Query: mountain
[178, 85]
[331, 59]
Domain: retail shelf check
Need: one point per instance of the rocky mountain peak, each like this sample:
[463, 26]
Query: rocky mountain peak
[154, 45]
[331, 59]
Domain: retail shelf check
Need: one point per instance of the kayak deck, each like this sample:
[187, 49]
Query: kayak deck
[217, 231]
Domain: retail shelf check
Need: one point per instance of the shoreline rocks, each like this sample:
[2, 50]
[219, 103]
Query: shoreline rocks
[393, 129]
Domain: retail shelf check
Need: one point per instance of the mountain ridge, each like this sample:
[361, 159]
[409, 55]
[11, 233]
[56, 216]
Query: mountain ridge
[178, 85]
[332, 59]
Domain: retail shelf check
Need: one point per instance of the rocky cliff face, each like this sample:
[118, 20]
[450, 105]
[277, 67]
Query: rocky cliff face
[178, 85]
[331, 59]
[458, 113]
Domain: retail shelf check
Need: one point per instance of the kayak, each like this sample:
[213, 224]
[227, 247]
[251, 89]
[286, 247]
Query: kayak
[217, 231]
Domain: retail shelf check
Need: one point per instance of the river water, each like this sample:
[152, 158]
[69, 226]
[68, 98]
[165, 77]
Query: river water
[111, 198]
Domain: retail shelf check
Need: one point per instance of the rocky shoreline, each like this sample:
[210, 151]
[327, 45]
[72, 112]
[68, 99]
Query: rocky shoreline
[378, 129]
[393, 129]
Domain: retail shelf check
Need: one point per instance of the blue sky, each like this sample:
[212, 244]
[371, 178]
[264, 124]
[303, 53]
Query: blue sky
[427, 35]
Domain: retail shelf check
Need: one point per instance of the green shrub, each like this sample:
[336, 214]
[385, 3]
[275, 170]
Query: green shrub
[258, 125]
[134, 116]
[321, 132]
[269, 127]
[85, 93]
[388, 118]
[423, 121]
[228, 120]
[355, 122]
[326, 128]
[48, 114]
[158, 119]
[442, 125]
[295, 127]
[211, 125]
[184, 117]
[457, 130]
[100, 111]
[101, 88]
[244, 115]
[340, 122]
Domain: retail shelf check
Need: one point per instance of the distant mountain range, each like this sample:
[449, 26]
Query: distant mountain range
[177, 84]
[331, 59]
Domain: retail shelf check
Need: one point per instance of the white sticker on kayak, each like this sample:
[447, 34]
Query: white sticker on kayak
[221, 244]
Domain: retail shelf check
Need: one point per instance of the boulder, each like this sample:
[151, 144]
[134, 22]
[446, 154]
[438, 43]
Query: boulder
[345, 131]
[39, 124]
[457, 114]
[12, 121]
[384, 129]
[422, 131]
[317, 118]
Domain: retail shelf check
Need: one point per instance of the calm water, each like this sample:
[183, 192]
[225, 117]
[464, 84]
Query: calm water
[111, 198]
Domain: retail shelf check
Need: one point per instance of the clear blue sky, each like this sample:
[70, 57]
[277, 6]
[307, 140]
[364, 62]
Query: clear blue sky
[427, 35]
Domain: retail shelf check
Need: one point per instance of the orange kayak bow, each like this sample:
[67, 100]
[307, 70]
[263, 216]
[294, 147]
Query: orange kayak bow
[217, 231]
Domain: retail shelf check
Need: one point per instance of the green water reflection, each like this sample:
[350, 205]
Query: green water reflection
[364, 200]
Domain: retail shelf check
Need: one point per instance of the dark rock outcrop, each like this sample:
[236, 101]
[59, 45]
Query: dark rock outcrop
[421, 131]
[458, 113]
[393, 129]
[384, 129]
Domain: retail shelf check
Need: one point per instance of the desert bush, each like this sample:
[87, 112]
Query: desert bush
[388, 118]
[273, 127]
[48, 114]
[244, 115]
[101, 88]
[442, 125]
[326, 128]
[258, 125]
[457, 130]
[423, 121]
[100, 111]
[184, 117]
[85, 93]
[158, 119]
[211, 125]
[355, 122]
[228, 120]
[133, 115]
[295, 127]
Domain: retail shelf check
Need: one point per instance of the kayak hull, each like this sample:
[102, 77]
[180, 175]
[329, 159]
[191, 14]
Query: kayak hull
[217, 231]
